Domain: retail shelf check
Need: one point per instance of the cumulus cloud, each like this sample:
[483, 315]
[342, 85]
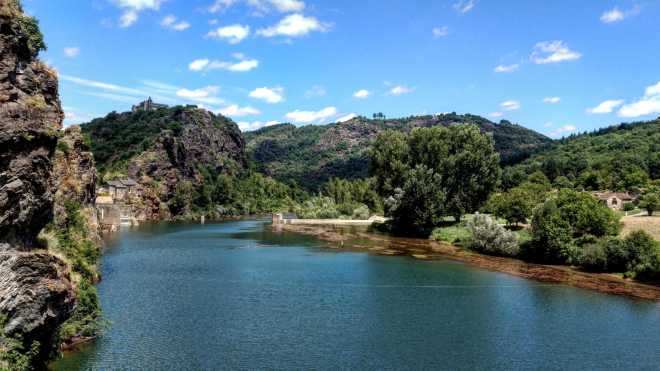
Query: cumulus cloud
[346, 118]
[554, 52]
[246, 126]
[605, 107]
[362, 94]
[503, 68]
[401, 90]
[71, 52]
[170, 22]
[437, 32]
[547, 125]
[241, 66]
[551, 99]
[128, 18]
[649, 104]
[617, 15]
[295, 25]
[198, 93]
[282, 6]
[459, 7]
[269, 95]
[235, 111]
[315, 91]
[496, 114]
[234, 34]
[198, 65]
[310, 116]
[510, 105]
[564, 129]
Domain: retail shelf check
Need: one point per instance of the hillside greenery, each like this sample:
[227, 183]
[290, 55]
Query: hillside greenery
[314, 153]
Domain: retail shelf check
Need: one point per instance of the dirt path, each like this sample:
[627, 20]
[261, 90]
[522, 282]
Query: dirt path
[424, 249]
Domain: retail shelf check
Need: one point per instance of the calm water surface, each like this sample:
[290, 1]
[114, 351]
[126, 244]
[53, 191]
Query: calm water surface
[182, 297]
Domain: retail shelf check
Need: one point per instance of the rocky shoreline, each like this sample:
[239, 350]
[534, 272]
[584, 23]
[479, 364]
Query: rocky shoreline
[428, 250]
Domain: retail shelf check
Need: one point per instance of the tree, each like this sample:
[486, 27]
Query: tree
[586, 214]
[540, 179]
[650, 200]
[514, 206]
[551, 235]
[562, 182]
[632, 178]
[420, 206]
[389, 161]
[511, 178]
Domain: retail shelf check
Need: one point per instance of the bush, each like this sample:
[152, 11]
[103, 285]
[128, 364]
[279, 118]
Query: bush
[362, 213]
[593, 258]
[552, 236]
[63, 146]
[629, 206]
[488, 237]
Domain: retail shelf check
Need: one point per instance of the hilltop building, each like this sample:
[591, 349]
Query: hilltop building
[149, 105]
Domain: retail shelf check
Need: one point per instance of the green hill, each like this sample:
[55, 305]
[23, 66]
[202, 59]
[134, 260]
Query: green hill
[619, 157]
[311, 154]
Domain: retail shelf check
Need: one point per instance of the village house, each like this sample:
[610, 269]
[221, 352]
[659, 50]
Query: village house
[636, 193]
[121, 189]
[615, 201]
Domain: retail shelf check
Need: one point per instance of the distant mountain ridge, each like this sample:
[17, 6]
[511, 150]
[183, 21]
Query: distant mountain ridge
[311, 154]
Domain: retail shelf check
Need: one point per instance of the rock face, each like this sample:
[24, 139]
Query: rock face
[30, 117]
[75, 176]
[35, 291]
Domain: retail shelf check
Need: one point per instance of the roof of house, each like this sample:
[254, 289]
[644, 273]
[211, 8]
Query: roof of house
[115, 183]
[620, 196]
[128, 182]
[104, 200]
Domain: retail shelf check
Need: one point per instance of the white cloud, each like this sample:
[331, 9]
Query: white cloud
[617, 15]
[555, 52]
[269, 95]
[437, 32]
[346, 118]
[241, 66]
[503, 68]
[71, 52]
[271, 123]
[198, 93]
[564, 129]
[649, 104]
[309, 116]
[198, 65]
[234, 110]
[463, 9]
[234, 34]
[551, 99]
[605, 107]
[102, 85]
[496, 114]
[401, 90]
[315, 91]
[239, 56]
[282, 6]
[362, 94]
[549, 124]
[387, 83]
[128, 18]
[295, 25]
[213, 22]
[170, 22]
[246, 126]
[510, 105]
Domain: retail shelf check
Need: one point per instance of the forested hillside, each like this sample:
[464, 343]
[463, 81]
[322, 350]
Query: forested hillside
[312, 154]
[621, 157]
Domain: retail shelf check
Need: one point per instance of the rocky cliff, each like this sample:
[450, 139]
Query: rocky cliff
[36, 294]
[161, 149]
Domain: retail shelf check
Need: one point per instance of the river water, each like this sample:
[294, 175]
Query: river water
[186, 296]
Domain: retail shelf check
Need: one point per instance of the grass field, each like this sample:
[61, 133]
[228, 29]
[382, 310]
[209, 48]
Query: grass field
[629, 213]
[650, 224]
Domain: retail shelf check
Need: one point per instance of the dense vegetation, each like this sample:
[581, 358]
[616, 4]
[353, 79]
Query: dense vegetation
[620, 158]
[312, 154]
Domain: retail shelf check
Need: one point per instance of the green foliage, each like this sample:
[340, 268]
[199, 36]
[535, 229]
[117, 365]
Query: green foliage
[488, 237]
[540, 179]
[63, 146]
[362, 213]
[175, 127]
[449, 234]
[293, 152]
[586, 215]
[30, 26]
[87, 142]
[552, 236]
[463, 158]
[638, 252]
[650, 200]
[562, 182]
[354, 193]
[512, 178]
[628, 206]
[514, 206]
[318, 208]
[421, 205]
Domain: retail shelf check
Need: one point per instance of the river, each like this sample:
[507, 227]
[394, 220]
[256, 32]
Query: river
[238, 295]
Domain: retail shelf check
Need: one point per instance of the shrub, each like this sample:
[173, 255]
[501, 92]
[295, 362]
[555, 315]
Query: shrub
[362, 213]
[552, 236]
[87, 142]
[593, 258]
[63, 146]
[488, 237]
[629, 206]
[618, 255]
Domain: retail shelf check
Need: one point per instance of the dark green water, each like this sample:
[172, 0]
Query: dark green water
[182, 298]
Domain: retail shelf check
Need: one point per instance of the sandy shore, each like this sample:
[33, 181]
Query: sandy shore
[425, 249]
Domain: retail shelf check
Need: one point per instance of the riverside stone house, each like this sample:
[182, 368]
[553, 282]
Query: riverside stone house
[615, 201]
[122, 189]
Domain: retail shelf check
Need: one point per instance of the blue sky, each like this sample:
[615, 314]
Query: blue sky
[555, 66]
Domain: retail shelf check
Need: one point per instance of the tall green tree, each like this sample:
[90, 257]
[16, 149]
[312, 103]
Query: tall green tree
[514, 206]
[389, 161]
[650, 200]
[421, 207]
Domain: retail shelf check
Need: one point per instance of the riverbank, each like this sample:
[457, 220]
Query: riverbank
[428, 250]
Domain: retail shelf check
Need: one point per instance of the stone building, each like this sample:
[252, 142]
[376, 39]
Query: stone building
[615, 200]
[149, 105]
[122, 189]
